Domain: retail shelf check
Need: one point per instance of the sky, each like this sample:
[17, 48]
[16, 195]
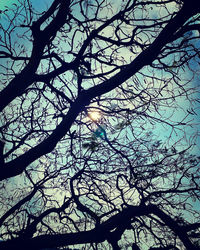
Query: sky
[38, 4]
[160, 131]
[7, 3]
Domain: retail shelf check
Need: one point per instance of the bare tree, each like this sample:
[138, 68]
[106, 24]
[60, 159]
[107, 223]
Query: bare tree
[96, 103]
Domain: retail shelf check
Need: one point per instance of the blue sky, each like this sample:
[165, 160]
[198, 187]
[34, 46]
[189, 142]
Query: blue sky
[159, 131]
[40, 4]
[4, 3]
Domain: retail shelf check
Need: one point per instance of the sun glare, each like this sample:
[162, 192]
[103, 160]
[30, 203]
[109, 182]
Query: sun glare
[95, 115]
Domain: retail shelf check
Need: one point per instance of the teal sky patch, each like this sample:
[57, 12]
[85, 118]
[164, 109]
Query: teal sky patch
[6, 4]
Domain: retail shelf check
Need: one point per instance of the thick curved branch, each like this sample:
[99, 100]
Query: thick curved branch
[18, 205]
[102, 232]
[80, 206]
[32, 228]
[18, 165]
[24, 200]
[99, 234]
[178, 230]
[41, 38]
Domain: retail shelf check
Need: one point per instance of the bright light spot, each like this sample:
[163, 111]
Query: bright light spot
[94, 115]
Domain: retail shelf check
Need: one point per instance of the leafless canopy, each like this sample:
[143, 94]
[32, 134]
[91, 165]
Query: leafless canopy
[98, 104]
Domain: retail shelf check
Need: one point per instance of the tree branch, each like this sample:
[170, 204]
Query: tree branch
[18, 165]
